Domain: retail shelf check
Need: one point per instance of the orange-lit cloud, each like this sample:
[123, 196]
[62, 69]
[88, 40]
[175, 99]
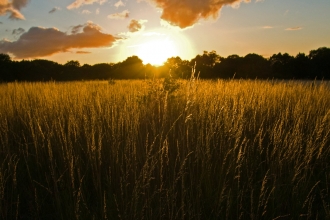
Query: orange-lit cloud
[185, 13]
[13, 8]
[267, 27]
[41, 42]
[78, 3]
[122, 15]
[293, 29]
[134, 26]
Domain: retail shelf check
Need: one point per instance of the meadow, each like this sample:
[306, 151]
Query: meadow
[165, 149]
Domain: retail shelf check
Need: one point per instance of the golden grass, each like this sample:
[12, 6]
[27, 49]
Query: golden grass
[165, 150]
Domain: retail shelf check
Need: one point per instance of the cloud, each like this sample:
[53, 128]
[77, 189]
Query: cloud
[76, 29]
[119, 3]
[97, 11]
[134, 26]
[122, 15]
[87, 12]
[267, 27]
[13, 8]
[18, 4]
[1, 22]
[82, 52]
[293, 29]
[54, 9]
[187, 13]
[41, 42]
[18, 31]
[78, 3]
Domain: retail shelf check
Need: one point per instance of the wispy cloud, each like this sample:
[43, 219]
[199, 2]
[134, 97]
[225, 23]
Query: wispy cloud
[76, 29]
[18, 31]
[13, 8]
[54, 10]
[41, 42]
[293, 28]
[82, 52]
[87, 12]
[78, 3]
[267, 27]
[122, 15]
[187, 13]
[119, 3]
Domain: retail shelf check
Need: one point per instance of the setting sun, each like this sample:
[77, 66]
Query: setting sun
[156, 52]
[156, 46]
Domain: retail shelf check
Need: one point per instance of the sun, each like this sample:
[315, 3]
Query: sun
[157, 45]
[157, 51]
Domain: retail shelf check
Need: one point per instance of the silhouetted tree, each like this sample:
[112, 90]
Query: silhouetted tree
[5, 68]
[101, 71]
[205, 63]
[253, 66]
[179, 68]
[320, 62]
[131, 68]
[209, 65]
[4, 58]
[71, 71]
[72, 63]
[301, 67]
[43, 70]
[282, 65]
[153, 71]
[228, 67]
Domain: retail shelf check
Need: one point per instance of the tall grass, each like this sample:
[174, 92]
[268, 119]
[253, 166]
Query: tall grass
[165, 150]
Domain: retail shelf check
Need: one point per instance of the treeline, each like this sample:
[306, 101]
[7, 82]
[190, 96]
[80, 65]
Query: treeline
[210, 65]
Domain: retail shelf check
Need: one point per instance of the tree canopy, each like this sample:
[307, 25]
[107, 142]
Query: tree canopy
[210, 65]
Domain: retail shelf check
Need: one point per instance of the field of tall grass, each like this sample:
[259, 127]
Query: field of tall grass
[165, 149]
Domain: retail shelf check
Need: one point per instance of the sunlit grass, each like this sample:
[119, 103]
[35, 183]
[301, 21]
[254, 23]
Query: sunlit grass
[165, 150]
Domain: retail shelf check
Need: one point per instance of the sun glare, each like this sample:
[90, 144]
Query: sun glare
[156, 52]
[156, 46]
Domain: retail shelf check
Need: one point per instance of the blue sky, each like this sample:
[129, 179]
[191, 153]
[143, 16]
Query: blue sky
[97, 31]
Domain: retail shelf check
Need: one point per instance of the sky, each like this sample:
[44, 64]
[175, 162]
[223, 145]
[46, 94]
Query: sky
[109, 31]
